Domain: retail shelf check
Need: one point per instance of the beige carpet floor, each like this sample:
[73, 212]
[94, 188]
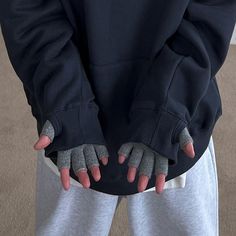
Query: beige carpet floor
[18, 159]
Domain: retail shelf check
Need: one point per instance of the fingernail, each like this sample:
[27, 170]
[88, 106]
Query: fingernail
[98, 178]
[105, 161]
[121, 159]
[193, 155]
[35, 147]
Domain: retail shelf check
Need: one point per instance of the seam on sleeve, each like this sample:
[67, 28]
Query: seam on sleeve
[176, 68]
[160, 112]
[70, 107]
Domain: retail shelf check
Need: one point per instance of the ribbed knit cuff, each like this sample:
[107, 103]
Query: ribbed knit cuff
[158, 129]
[74, 127]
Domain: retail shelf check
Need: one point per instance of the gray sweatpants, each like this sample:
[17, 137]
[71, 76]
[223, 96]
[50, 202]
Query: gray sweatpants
[191, 210]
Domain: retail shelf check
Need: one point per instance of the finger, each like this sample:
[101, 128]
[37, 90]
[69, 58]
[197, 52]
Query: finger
[78, 159]
[63, 165]
[189, 150]
[186, 142]
[135, 156]
[83, 178]
[63, 159]
[145, 169]
[92, 161]
[95, 173]
[147, 163]
[42, 142]
[79, 166]
[124, 151]
[134, 161]
[65, 178]
[131, 174]
[46, 136]
[48, 130]
[142, 182]
[121, 159]
[161, 171]
[104, 160]
[160, 183]
[161, 165]
[102, 153]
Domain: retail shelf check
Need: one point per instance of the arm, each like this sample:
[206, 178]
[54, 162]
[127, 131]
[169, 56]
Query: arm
[38, 39]
[167, 99]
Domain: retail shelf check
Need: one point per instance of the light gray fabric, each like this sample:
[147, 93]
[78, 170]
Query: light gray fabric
[188, 211]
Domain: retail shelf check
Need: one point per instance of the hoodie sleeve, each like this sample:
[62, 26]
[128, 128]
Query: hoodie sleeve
[178, 78]
[38, 38]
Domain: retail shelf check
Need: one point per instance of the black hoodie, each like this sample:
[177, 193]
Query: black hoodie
[115, 71]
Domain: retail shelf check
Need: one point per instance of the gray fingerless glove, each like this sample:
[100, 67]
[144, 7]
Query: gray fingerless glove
[145, 159]
[83, 156]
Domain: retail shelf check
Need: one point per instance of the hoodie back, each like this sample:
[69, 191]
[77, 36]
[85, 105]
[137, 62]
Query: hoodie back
[109, 72]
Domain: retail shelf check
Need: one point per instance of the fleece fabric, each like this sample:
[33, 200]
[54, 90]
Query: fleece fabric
[191, 209]
[112, 71]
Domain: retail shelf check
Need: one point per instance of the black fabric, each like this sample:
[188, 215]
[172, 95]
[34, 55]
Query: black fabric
[109, 72]
[38, 37]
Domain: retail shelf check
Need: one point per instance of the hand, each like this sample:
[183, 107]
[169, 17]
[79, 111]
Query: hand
[143, 157]
[83, 156]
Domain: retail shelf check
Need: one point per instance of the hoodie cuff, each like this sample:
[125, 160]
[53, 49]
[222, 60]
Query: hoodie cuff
[157, 128]
[73, 127]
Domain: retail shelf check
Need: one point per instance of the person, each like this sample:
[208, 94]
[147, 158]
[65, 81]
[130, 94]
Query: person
[129, 79]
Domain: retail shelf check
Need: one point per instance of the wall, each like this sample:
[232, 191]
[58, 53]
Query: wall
[233, 40]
